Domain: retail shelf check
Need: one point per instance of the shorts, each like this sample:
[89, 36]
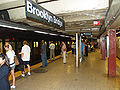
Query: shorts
[26, 62]
[13, 67]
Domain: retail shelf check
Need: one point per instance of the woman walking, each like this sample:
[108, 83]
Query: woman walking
[10, 54]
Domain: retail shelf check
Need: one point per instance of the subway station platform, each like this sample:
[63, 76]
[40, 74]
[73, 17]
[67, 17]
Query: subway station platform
[91, 75]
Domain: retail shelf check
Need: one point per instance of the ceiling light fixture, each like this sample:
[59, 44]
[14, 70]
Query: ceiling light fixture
[67, 36]
[7, 26]
[62, 35]
[53, 34]
[41, 32]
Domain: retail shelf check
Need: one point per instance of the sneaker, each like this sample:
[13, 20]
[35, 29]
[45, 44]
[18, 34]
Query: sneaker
[12, 86]
[23, 75]
[29, 73]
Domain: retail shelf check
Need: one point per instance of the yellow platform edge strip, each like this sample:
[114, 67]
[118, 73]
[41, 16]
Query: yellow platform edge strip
[17, 74]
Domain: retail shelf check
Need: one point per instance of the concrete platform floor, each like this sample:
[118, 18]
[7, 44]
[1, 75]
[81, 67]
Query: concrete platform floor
[91, 75]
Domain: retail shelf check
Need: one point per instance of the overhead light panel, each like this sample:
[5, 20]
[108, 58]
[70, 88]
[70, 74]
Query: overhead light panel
[41, 32]
[67, 36]
[7, 26]
[62, 35]
[53, 34]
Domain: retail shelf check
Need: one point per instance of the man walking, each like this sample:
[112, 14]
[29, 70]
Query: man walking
[83, 50]
[25, 56]
[43, 54]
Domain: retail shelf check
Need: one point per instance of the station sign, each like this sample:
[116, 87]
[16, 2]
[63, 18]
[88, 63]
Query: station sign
[86, 34]
[39, 14]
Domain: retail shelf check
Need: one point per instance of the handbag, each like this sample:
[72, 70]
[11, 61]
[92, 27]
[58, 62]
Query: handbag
[16, 60]
[19, 67]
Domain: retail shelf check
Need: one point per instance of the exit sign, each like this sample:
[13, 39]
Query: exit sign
[96, 23]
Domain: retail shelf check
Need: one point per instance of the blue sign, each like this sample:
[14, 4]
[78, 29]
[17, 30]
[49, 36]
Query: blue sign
[86, 34]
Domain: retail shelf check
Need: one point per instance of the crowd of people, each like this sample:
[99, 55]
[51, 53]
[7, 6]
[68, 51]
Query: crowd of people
[8, 62]
[86, 46]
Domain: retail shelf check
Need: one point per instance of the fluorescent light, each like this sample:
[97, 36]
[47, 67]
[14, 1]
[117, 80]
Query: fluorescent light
[67, 36]
[41, 32]
[53, 34]
[62, 35]
[7, 26]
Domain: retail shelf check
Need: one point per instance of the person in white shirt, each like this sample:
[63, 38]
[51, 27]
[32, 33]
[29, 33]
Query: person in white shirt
[52, 51]
[10, 54]
[63, 49]
[25, 56]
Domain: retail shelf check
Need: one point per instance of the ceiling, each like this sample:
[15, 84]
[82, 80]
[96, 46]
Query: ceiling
[82, 21]
[78, 17]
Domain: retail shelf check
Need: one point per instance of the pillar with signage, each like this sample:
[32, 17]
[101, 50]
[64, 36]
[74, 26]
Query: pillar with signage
[112, 53]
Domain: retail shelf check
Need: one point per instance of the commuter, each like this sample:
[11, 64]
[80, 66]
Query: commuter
[83, 50]
[10, 54]
[43, 54]
[4, 72]
[86, 48]
[89, 44]
[73, 46]
[52, 51]
[93, 46]
[25, 56]
[63, 49]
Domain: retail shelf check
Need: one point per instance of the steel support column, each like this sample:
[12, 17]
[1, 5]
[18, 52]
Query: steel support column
[112, 53]
[80, 49]
[76, 49]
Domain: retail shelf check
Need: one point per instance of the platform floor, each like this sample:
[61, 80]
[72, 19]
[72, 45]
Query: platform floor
[91, 75]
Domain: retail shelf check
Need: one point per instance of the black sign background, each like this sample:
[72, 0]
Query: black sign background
[4, 15]
[36, 18]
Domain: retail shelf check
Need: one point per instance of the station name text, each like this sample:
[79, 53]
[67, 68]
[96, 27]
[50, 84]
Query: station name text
[43, 14]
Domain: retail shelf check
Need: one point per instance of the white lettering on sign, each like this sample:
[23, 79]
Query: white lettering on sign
[43, 14]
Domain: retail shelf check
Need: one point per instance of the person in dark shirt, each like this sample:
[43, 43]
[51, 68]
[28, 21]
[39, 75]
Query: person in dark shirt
[43, 54]
[4, 72]
[86, 48]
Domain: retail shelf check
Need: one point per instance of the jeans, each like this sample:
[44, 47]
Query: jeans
[83, 57]
[52, 53]
[44, 60]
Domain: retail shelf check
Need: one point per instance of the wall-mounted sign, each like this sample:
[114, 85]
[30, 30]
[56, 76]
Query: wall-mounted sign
[40, 14]
[96, 23]
[86, 34]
